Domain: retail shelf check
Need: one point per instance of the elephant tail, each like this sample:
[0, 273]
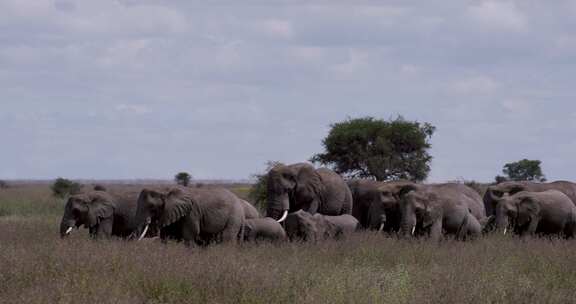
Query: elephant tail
[463, 229]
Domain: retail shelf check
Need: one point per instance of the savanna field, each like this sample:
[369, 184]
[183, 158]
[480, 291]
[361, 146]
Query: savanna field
[36, 266]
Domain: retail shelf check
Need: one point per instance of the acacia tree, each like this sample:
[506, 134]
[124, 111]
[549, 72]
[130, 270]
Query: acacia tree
[183, 179]
[374, 148]
[523, 170]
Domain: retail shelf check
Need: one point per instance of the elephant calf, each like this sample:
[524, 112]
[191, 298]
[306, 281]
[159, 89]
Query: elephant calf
[263, 229]
[547, 212]
[302, 225]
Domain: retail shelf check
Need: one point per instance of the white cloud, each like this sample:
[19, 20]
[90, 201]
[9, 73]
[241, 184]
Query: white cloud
[498, 15]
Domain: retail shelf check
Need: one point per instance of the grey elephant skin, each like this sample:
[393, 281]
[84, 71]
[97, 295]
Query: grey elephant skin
[196, 216]
[263, 229]
[250, 212]
[495, 192]
[303, 226]
[370, 206]
[435, 210]
[104, 214]
[529, 213]
[301, 186]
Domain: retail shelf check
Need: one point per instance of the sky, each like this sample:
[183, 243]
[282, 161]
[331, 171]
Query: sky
[144, 89]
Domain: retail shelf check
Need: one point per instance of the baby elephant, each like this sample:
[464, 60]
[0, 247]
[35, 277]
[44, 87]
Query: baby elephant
[304, 226]
[263, 229]
[548, 212]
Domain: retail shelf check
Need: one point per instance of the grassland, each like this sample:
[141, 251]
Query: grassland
[36, 266]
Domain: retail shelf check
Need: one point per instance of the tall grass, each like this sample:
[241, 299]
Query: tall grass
[36, 266]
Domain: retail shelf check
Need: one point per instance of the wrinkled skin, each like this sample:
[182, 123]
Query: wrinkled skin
[263, 229]
[529, 213]
[303, 226]
[250, 211]
[104, 214]
[196, 216]
[435, 210]
[370, 205]
[495, 192]
[300, 186]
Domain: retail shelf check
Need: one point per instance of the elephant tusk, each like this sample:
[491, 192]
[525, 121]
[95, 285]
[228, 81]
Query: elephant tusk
[283, 216]
[69, 230]
[413, 229]
[381, 227]
[505, 230]
[143, 233]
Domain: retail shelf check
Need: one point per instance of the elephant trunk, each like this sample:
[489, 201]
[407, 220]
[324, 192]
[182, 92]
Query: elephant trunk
[501, 219]
[408, 225]
[278, 207]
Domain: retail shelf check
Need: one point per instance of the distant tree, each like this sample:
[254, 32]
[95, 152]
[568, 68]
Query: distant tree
[3, 184]
[99, 188]
[258, 191]
[183, 179]
[500, 179]
[524, 170]
[379, 149]
[63, 187]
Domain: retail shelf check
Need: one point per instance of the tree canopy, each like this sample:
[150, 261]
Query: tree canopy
[183, 179]
[374, 148]
[523, 170]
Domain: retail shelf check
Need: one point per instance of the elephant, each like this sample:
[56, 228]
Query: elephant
[301, 225]
[196, 216]
[263, 229]
[495, 192]
[529, 213]
[433, 209]
[104, 214]
[301, 186]
[250, 212]
[370, 206]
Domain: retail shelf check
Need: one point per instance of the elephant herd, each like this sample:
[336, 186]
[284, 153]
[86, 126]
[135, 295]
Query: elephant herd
[309, 204]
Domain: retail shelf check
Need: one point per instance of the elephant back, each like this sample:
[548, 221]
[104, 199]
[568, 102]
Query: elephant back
[336, 197]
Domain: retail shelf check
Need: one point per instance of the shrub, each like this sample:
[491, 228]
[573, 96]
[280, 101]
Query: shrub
[3, 184]
[258, 191]
[63, 187]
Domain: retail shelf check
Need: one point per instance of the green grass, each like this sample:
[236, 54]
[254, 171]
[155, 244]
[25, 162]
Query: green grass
[36, 266]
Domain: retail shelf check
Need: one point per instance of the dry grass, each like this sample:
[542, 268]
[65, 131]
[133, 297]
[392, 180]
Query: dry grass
[37, 267]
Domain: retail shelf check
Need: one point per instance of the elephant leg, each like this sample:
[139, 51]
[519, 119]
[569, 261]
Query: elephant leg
[190, 231]
[436, 230]
[531, 230]
[104, 229]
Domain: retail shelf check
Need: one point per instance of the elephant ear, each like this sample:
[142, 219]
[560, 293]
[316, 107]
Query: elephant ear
[431, 211]
[99, 207]
[309, 181]
[176, 206]
[528, 210]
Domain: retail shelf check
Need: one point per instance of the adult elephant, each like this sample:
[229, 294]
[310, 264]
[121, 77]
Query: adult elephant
[301, 186]
[433, 209]
[371, 205]
[196, 216]
[495, 192]
[528, 213]
[104, 214]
